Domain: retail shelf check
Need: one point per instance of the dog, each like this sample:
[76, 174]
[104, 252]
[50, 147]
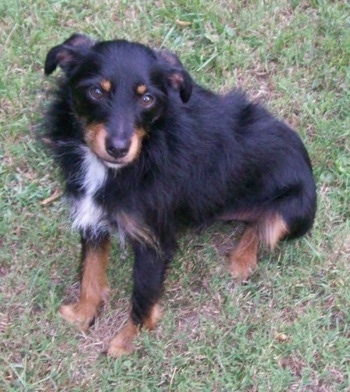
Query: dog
[145, 151]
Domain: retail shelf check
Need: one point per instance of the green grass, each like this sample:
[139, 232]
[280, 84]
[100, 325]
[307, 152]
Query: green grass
[289, 328]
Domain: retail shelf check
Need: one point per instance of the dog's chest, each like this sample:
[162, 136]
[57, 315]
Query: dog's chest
[86, 213]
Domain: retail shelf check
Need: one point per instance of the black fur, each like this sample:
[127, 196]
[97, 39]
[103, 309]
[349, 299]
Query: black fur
[204, 155]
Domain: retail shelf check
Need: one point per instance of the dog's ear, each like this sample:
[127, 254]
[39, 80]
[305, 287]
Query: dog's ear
[177, 76]
[68, 53]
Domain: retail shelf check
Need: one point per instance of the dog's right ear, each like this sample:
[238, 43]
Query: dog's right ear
[68, 53]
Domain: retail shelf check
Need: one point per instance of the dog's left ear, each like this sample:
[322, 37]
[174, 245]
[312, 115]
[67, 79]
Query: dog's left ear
[177, 76]
[67, 54]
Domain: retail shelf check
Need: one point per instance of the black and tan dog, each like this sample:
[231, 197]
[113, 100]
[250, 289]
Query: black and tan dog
[144, 150]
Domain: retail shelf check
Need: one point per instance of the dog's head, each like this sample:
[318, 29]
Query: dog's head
[118, 90]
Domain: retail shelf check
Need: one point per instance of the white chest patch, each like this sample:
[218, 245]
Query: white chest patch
[85, 212]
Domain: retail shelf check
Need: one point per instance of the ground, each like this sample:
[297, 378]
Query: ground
[287, 329]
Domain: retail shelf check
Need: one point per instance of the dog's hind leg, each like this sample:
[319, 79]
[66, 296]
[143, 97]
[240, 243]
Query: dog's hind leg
[243, 259]
[268, 229]
[94, 285]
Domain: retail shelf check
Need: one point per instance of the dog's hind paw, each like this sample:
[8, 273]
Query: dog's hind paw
[241, 269]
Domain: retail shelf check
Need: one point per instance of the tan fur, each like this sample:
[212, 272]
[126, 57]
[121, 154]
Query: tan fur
[95, 137]
[135, 148]
[243, 259]
[94, 288]
[176, 79]
[141, 89]
[129, 225]
[106, 85]
[268, 229]
[152, 320]
[272, 230]
[122, 343]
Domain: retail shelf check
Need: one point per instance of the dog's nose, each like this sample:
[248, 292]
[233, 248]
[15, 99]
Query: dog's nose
[117, 148]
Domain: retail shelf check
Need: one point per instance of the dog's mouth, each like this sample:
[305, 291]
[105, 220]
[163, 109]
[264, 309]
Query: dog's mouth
[112, 164]
[109, 161]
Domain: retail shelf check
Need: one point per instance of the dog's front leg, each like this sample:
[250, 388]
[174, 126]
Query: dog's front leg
[94, 285]
[148, 275]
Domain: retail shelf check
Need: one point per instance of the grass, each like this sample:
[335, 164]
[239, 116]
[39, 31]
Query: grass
[289, 328]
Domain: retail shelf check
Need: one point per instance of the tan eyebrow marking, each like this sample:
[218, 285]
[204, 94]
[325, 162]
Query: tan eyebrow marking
[141, 89]
[106, 85]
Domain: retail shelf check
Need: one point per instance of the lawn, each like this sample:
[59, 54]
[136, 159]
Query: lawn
[288, 329]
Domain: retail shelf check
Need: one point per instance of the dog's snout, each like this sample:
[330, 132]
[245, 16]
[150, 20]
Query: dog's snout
[117, 148]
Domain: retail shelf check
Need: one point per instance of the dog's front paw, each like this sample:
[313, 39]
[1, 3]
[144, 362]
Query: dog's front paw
[119, 349]
[122, 343]
[81, 316]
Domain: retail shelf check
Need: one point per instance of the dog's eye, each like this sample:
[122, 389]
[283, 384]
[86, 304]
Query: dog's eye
[96, 93]
[146, 101]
